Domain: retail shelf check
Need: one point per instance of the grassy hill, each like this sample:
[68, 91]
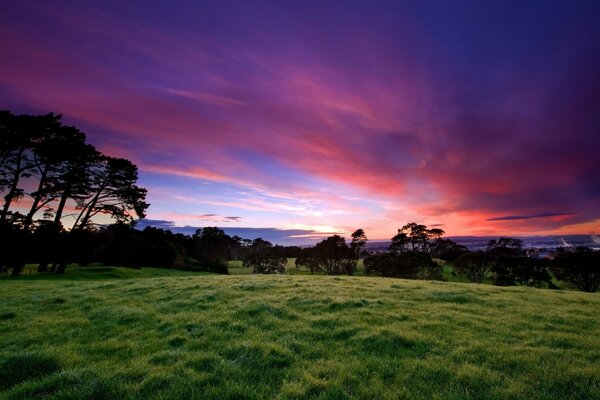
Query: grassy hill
[183, 335]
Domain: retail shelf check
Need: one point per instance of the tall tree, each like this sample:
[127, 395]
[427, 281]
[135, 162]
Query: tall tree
[335, 256]
[16, 136]
[50, 154]
[359, 241]
[113, 192]
[75, 178]
[264, 258]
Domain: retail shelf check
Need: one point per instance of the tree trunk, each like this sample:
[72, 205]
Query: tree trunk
[17, 268]
[61, 206]
[42, 267]
[13, 187]
[60, 269]
[36, 200]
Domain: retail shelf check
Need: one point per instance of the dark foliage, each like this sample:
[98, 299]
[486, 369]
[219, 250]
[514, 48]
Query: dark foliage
[18, 368]
[264, 258]
[308, 260]
[522, 271]
[332, 256]
[580, 268]
[474, 266]
[411, 265]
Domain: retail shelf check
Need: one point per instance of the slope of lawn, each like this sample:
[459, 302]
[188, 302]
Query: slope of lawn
[188, 336]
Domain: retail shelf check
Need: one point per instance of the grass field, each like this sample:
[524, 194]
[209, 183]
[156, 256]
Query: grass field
[105, 333]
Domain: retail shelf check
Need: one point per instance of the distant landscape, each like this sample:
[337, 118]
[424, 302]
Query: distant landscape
[289, 200]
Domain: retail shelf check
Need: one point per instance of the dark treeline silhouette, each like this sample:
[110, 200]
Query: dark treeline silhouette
[48, 169]
[49, 174]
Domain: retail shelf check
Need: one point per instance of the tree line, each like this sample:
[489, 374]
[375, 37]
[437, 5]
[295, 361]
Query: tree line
[49, 172]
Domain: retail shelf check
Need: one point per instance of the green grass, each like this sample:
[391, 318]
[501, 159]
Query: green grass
[187, 336]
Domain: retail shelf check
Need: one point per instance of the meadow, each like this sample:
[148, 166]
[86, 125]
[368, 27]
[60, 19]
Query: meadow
[114, 333]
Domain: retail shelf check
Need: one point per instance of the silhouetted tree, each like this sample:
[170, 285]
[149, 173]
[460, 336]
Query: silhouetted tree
[50, 153]
[400, 242]
[359, 241]
[447, 250]
[264, 258]
[580, 268]
[474, 266]
[212, 249]
[521, 270]
[17, 135]
[308, 259]
[113, 192]
[507, 247]
[409, 265]
[414, 237]
[335, 256]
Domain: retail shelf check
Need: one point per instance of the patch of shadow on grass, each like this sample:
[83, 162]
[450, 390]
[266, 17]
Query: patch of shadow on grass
[450, 297]
[164, 358]
[22, 367]
[7, 316]
[350, 304]
[138, 290]
[258, 358]
[56, 300]
[255, 287]
[228, 326]
[391, 344]
[69, 385]
[176, 341]
[261, 310]
[204, 363]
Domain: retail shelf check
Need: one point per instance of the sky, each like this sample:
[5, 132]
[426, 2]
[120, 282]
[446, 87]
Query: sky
[295, 120]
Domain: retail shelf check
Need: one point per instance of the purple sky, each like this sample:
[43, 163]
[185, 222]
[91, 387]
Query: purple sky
[316, 117]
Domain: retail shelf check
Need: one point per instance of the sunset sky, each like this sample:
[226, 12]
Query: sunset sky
[320, 117]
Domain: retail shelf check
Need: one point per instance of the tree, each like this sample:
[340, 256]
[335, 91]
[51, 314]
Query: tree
[334, 256]
[50, 150]
[307, 259]
[414, 237]
[400, 242]
[508, 247]
[447, 250]
[359, 241]
[212, 249]
[17, 137]
[580, 268]
[75, 180]
[521, 271]
[474, 266]
[113, 192]
[264, 258]
[410, 265]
